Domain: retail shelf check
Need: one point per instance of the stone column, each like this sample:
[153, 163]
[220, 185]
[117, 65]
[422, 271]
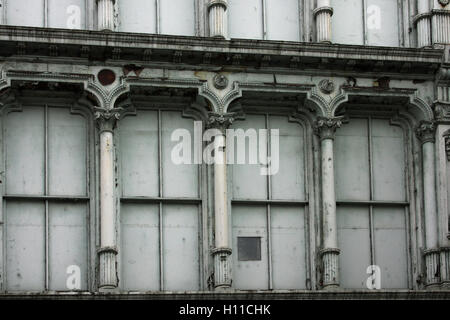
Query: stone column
[218, 19]
[323, 13]
[222, 244]
[105, 11]
[107, 253]
[423, 24]
[325, 128]
[440, 22]
[426, 134]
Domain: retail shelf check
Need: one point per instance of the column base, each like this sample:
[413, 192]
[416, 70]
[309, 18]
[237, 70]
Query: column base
[330, 264]
[108, 268]
[432, 264]
[445, 268]
[222, 269]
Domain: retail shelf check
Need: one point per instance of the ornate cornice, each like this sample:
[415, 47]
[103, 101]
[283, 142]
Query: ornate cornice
[325, 128]
[426, 131]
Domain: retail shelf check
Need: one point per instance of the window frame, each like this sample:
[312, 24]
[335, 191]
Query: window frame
[27, 100]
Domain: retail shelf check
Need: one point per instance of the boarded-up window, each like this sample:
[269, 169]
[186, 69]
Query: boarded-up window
[25, 13]
[372, 209]
[159, 206]
[46, 198]
[68, 14]
[365, 22]
[270, 208]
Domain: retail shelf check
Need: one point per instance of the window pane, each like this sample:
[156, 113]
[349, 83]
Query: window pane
[245, 19]
[25, 246]
[178, 180]
[25, 13]
[354, 242]
[382, 23]
[177, 17]
[67, 135]
[248, 183]
[139, 154]
[388, 161]
[289, 183]
[347, 21]
[181, 247]
[249, 248]
[140, 247]
[250, 221]
[391, 246]
[283, 20]
[67, 14]
[288, 247]
[137, 16]
[67, 243]
[25, 151]
[352, 161]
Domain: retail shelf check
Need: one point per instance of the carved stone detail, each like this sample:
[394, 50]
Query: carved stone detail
[220, 81]
[222, 267]
[220, 121]
[326, 86]
[325, 128]
[444, 2]
[425, 131]
[330, 263]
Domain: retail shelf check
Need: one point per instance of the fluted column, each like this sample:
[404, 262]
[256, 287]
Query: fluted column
[423, 24]
[325, 128]
[222, 251]
[108, 251]
[105, 11]
[426, 134]
[218, 19]
[440, 22]
[323, 13]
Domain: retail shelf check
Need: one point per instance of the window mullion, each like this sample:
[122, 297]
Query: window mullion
[46, 193]
[268, 206]
[160, 180]
[371, 187]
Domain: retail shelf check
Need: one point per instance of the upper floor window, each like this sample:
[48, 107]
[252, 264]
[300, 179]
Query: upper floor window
[264, 19]
[160, 206]
[175, 17]
[46, 198]
[373, 203]
[366, 22]
[270, 212]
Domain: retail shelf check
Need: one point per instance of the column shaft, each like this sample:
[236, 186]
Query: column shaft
[325, 128]
[105, 11]
[218, 19]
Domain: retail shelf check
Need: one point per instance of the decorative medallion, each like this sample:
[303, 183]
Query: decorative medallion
[106, 77]
[220, 81]
[444, 2]
[326, 86]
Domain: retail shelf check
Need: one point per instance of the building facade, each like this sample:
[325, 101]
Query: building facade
[347, 103]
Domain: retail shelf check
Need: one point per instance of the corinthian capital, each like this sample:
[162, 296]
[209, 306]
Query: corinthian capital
[220, 121]
[325, 128]
[425, 131]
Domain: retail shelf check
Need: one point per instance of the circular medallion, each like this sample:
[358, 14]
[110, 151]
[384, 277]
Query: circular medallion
[106, 77]
[220, 81]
